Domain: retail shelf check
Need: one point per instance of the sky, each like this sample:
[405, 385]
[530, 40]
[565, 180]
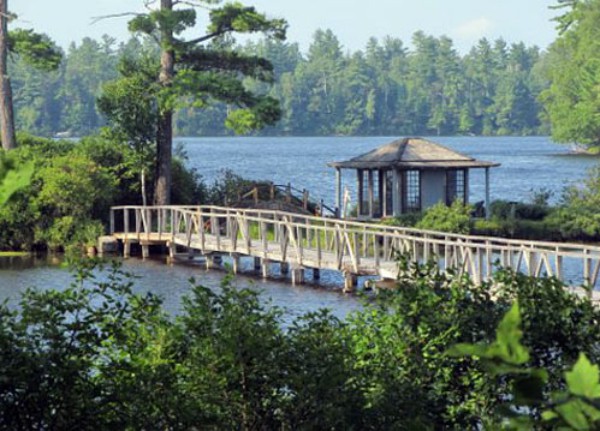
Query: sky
[352, 21]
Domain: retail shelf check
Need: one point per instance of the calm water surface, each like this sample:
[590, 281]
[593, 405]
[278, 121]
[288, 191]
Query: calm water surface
[172, 282]
[527, 164]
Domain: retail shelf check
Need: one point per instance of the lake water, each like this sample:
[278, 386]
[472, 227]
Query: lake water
[526, 164]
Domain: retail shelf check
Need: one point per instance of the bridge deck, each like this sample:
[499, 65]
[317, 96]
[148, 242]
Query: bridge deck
[351, 247]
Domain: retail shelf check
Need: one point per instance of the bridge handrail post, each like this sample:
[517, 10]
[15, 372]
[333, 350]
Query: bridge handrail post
[586, 272]
[376, 251]
[112, 221]
[159, 221]
[263, 234]
[126, 220]
[356, 251]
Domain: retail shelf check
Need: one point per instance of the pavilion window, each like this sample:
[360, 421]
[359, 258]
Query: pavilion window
[455, 186]
[412, 194]
[375, 194]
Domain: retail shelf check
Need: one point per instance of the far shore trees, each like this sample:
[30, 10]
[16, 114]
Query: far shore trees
[202, 70]
[36, 49]
[573, 99]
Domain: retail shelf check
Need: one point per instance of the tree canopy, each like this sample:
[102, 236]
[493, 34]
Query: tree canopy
[374, 91]
[573, 99]
[36, 50]
[201, 70]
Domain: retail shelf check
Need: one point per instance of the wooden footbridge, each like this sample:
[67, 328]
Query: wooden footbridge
[299, 242]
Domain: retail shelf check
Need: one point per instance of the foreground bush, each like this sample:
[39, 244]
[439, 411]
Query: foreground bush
[98, 356]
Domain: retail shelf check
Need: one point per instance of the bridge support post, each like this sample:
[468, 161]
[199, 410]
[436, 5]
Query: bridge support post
[213, 261]
[316, 274]
[350, 282]
[235, 263]
[145, 251]
[284, 268]
[297, 276]
[264, 266]
[126, 249]
[172, 249]
[257, 264]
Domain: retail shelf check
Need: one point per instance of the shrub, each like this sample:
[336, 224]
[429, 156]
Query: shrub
[507, 210]
[97, 356]
[404, 220]
[73, 186]
[454, 219]
[577, 215]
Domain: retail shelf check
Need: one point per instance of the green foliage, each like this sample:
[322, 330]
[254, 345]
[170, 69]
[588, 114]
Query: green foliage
[189, 187]
[13, 178]
[577, 215]
[573, 408]
[384, 89]
[578, 408]
[60, 349]
[71, 188]
[507, 210]
[227, 187]
[540, 230]
[75, 185]
[438, 352]
[455, 218]
[129, 103]
[35, 49]
[405, 220]
[571, 101]
[505, 350]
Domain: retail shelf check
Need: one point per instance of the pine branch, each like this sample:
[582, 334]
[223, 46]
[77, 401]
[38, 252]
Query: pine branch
[117, 15]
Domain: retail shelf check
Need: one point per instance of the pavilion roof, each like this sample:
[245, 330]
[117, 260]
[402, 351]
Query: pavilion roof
[412, 153]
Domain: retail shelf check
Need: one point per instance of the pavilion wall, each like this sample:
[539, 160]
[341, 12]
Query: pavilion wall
[433, 188]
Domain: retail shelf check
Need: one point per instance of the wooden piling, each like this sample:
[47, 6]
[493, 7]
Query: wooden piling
[145, 251]
[235, 263]
[350, 282]
[264, 265]
[297, 276]
[126, 249]
[214, 261]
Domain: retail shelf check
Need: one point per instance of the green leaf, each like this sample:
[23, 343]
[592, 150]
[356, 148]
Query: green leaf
[583, 380]
[15, 180]
[549, 415]
[573, 415]
[507, 349]
[508, 345]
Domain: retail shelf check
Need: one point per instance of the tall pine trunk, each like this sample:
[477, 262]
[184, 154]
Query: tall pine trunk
[7, 122]
[164, 139]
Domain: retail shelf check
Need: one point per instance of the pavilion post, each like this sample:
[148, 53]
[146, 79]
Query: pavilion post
[371, 192]
[381, 193]
[338, 191]
[466, 191]
[360, 177]
[487, 193]
[396, 193]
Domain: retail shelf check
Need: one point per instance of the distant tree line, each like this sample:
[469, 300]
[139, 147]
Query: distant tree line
[385, 89]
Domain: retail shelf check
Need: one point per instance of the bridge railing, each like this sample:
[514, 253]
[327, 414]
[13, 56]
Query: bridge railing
[357, 247]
